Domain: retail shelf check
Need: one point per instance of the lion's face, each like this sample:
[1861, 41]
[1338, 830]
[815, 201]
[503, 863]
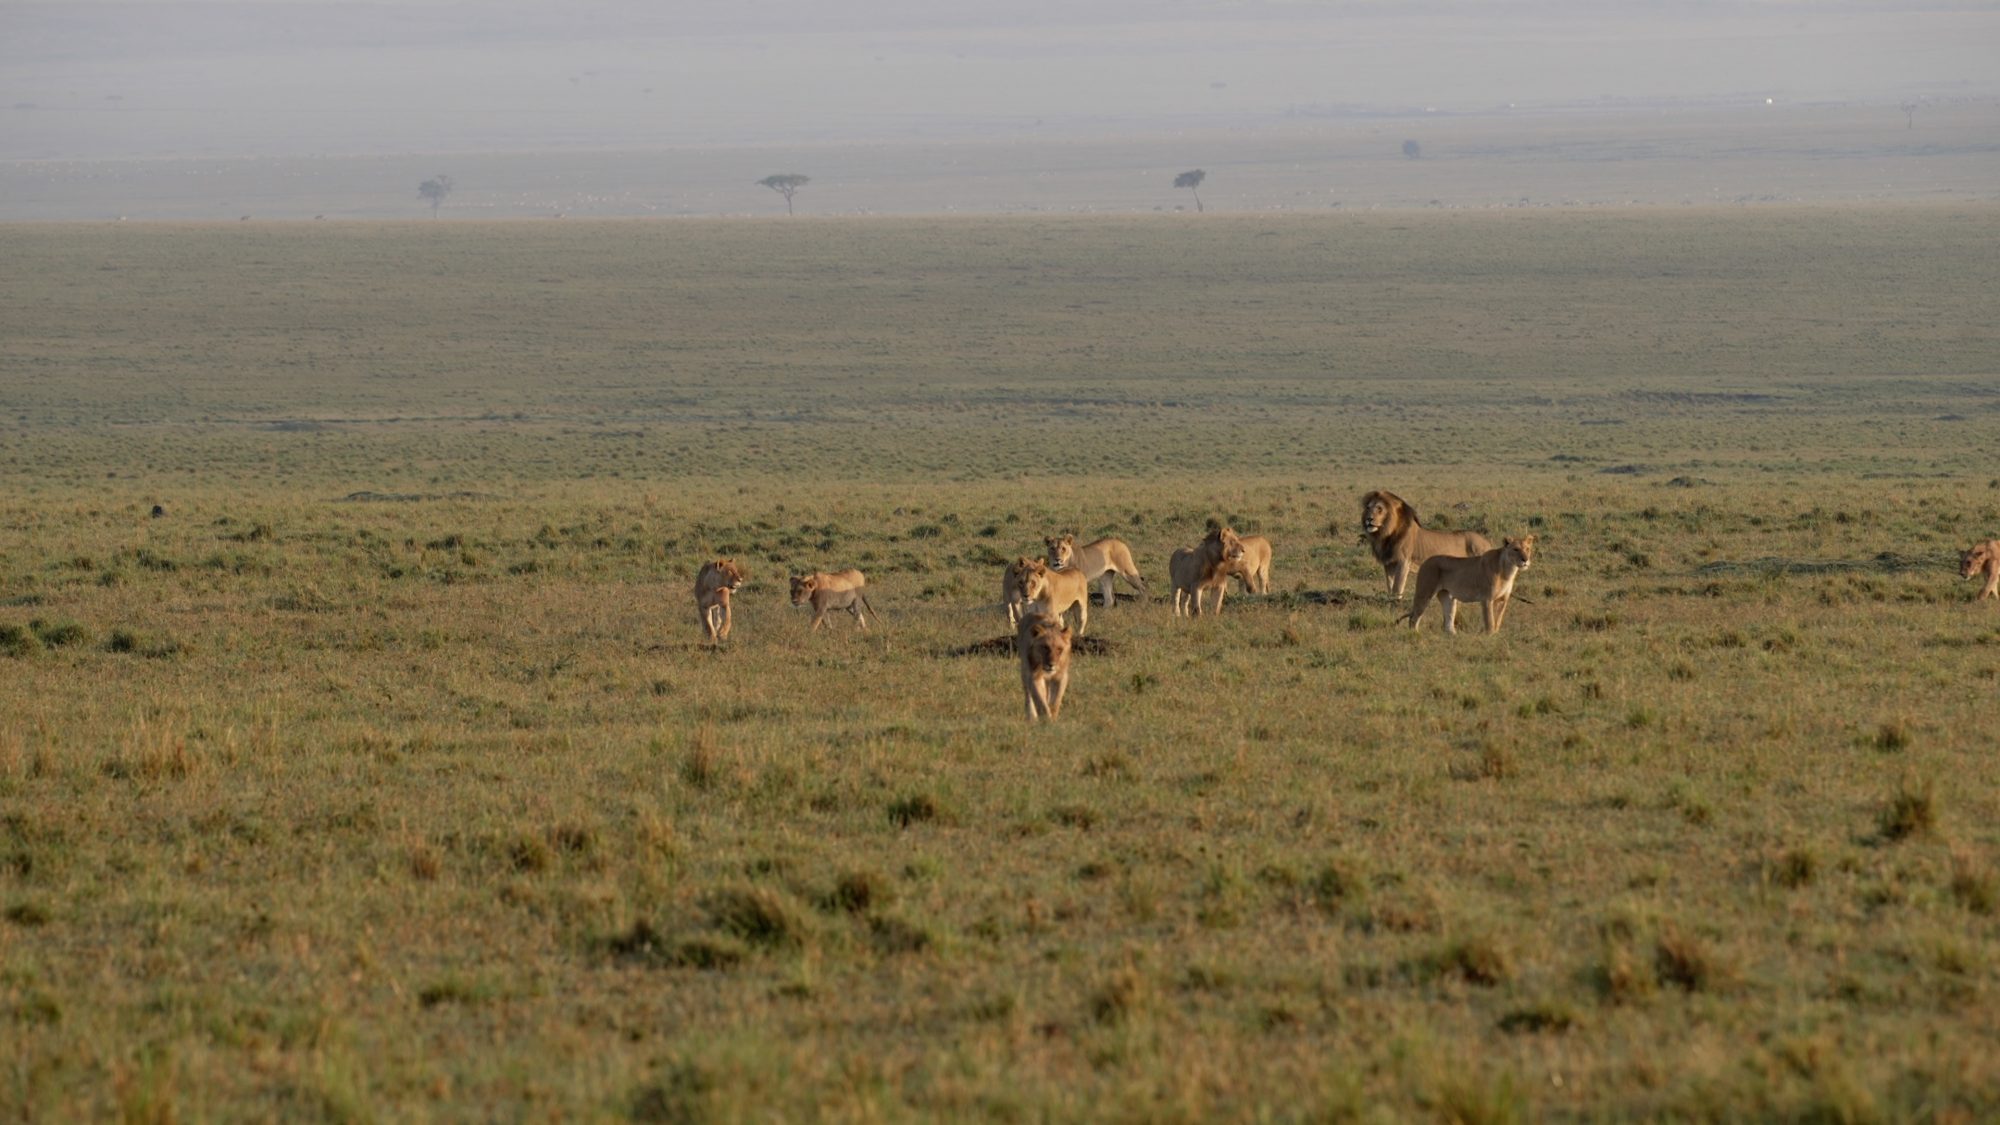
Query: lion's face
[1518, 552]
[1232, 546]
[1053, 635]
[1377, 511]
[1035, 580]
[1970, 563]
[803, 587]
[1062, 550]
[732, 574]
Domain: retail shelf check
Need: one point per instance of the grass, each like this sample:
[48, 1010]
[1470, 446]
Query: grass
[385, 773]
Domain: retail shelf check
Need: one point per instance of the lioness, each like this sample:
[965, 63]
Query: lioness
[718, 579]
[1013, 587]
[1255, 569]
[1983, 558]
[1401, 544]
[1487, 578]
[839, 590]
[1058, 590]
[1098, 561]
[1195, 570]
[1043, 642]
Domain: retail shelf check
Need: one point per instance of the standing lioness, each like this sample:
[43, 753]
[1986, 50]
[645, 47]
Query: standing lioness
[838, 590]
[1043, 643]
[1487, 578]
[1014, 587]
[712, 587]
[1254, 569]
[1983, 558]
[1058, 590]
[1098, 561]
[1401, 544]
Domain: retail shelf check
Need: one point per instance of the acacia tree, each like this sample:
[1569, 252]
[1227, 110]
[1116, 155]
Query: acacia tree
[1910, 113]
[1192, 182]
[786, 184]
[434, 190]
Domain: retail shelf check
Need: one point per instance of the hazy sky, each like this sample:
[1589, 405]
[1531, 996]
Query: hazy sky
[96, 79]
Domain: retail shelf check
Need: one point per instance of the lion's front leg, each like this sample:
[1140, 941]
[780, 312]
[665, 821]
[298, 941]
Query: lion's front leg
[1398, 573]
[1083, 613]
[1992, 589]
[1032, 688]
[1060, 685]
[1450, 613]
[1496, 612]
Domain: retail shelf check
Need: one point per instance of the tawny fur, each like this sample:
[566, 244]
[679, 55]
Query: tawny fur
[1254, 571]
[1197, 570]
[1013, 588]
[1487, 579]
[840, 589]
[1401, 543]
[712, 589]
[1058, 590]
[1983, 558]
[1099, 561]
[1042, 641]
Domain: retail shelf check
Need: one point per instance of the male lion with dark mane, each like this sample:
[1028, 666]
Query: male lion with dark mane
[1401, 544]
[1983, 558]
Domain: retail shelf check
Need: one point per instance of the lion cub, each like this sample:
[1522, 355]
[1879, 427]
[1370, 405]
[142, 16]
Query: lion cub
[838, 590]
[1487, 578]
[712, 587]
[1043, 643]
[1983, 558]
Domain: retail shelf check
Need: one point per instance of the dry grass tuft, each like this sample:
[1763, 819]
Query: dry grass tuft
[761, 916]
[1910, 811]
[1122, 995]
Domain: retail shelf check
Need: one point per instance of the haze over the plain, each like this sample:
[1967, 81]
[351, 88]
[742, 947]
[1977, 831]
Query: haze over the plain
[168, 108]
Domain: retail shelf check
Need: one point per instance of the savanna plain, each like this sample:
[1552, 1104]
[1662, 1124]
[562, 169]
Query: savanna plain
[383, 775]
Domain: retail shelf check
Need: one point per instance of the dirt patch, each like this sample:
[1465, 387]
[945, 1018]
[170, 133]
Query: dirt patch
[1886, 562]
[1004, 646]
[410, 497]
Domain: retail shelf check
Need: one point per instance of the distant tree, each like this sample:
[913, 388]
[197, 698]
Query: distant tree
[1192, 182]
[1413, 150]
[786, 184]
[1910, 113]
[434, 190]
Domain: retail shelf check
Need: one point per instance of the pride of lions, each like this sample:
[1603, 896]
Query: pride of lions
[1451, 567]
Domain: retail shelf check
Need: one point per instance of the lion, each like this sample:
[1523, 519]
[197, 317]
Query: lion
[1401, 543]
[1487, 578]
[1255, 569]
[1042, 641]
[1983, 558]
[712, 587]
[838, 590]
[1195, 570]
[1098, 560]
[1013, 588]
[1058, 590]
